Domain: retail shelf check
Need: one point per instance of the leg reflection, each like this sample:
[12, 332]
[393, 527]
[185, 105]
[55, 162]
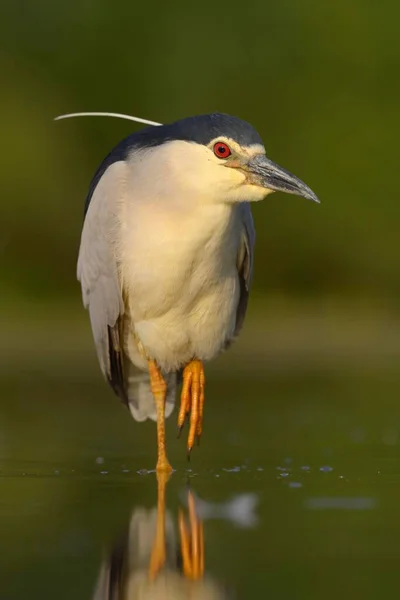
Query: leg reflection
[192, 542]
[159, 557]
[158, 553]
[191, 536]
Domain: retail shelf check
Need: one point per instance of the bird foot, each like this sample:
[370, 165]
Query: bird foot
[163, 465]
[192, 401]
[192, 542]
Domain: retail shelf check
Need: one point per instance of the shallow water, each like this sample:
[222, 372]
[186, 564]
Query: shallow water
[296, 482]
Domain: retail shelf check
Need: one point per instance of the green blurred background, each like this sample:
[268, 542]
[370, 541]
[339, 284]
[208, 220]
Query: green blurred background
[319, 81]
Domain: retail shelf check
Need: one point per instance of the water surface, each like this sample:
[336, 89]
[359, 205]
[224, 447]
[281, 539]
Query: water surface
[312, 462]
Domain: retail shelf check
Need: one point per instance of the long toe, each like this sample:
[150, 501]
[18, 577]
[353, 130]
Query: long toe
[192, 400]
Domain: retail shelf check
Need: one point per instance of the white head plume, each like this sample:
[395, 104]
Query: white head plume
[107, 114]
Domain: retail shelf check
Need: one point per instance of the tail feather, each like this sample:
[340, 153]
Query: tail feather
[140, 398]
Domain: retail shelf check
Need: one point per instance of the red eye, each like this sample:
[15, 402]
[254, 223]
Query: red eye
[222, 150]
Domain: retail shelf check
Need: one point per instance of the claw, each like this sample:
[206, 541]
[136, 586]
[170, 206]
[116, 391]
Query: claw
[192, 401]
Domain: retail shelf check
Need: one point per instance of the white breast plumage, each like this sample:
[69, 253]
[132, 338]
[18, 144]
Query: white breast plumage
[181, 281]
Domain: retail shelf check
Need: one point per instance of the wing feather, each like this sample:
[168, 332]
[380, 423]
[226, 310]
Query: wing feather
[245, 262]
[97, 271]
[102, 295]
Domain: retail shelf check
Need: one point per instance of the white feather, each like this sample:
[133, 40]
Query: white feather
[107, 114]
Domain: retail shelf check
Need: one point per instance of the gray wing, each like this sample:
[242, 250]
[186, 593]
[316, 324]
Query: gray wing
[97, 271]
[102, 295]
[245, 262]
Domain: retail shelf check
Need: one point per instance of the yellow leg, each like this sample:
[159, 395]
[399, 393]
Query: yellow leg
[192, 542]
[192, 400]
[158, 553]
[159, 389]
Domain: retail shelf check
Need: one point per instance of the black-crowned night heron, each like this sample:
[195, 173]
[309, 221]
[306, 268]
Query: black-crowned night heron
[166, 258]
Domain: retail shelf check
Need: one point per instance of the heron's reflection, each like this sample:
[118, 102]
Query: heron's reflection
[160, 558]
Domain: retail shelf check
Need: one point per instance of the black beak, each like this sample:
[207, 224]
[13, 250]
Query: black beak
[273, 177]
